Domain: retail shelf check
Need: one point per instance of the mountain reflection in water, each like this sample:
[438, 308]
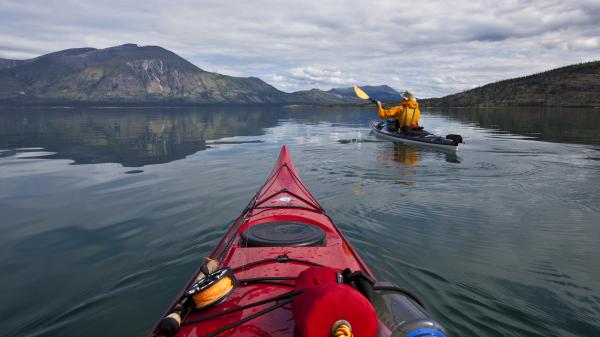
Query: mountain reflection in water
[135, 137]
[132, 137]
[497, 239]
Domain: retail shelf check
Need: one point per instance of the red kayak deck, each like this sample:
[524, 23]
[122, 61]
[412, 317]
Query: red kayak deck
[283, 198]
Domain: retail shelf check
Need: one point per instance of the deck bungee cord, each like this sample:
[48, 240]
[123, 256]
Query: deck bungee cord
[279, 259]
[284, 296]
[216, 286]
[247, 318]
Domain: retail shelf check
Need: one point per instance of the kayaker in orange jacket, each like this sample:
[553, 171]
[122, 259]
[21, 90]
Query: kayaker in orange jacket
[406, 114]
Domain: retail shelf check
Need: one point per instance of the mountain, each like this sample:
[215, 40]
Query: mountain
[574, 85]
[316, 96]
[126, 73]
[132, 74]
[5, 63]
[379, 92]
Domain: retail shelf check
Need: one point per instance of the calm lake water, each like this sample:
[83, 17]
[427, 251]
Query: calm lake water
[105, 213]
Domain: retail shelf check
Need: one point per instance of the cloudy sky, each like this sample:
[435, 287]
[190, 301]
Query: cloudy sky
[432, 47]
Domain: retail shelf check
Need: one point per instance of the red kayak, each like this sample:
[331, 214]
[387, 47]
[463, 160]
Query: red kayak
[285, 269]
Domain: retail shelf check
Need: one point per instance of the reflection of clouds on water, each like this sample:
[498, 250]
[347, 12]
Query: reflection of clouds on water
[502, 231]
[138, 137]
[566, 125]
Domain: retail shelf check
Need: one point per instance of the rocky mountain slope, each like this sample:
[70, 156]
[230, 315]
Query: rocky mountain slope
[5, 63]
[134, 74]
[574, 85]
[126, 73]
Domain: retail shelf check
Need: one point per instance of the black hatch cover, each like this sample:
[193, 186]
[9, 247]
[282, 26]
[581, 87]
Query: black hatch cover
[283, 234]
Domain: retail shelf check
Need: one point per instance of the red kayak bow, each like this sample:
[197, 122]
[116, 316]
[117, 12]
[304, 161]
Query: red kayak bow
[283, 269]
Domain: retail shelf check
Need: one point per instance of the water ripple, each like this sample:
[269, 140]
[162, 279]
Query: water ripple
[498, 239]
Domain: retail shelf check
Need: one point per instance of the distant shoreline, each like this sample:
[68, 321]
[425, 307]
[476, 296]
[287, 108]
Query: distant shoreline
[113, 105]
[491, 106]
[424, 103]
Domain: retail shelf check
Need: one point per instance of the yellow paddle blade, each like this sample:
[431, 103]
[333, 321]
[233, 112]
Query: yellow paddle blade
[360, 93]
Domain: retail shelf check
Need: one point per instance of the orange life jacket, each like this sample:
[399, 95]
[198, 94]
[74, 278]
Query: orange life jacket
[407, 113]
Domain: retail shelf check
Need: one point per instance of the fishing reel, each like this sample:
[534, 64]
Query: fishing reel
[212, 289]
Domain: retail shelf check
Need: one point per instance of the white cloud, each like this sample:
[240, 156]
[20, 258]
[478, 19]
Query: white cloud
[434, 47]
[321, 76]
[584, 43]
[310, 77]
